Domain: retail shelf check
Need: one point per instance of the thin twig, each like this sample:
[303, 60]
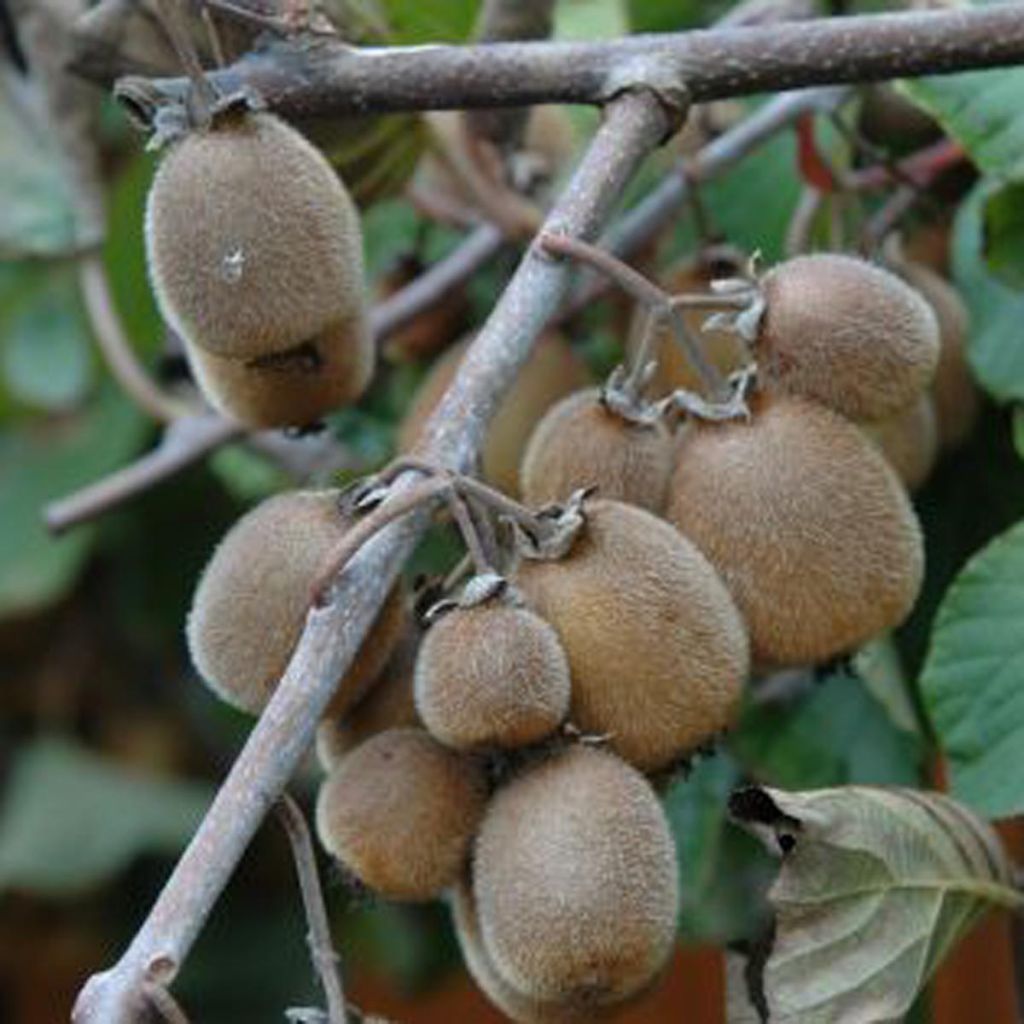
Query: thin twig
[184, 442]
[115, 348]
[335, 79]
[634, 123]
[321, 949]
[164, 1003]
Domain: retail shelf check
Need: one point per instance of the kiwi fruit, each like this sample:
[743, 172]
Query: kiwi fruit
[389, 704]
[254, 246]
[252, 598]
[492, 675]
[400, 813]
[954, 392]
[552, 370]
[514, 1004]
[286, 389]
[846, 333]
[657, 650]
[581, 442]
[910, 441]
[807, 523]
[575, 881]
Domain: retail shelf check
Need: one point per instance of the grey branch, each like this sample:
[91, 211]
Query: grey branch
[301, 78]
[633, 125]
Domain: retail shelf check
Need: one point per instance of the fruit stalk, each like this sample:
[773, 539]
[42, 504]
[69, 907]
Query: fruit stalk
[634, 124]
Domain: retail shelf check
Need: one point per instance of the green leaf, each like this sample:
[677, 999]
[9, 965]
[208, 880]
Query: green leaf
[1004, 233]
[721, 870]
[996, 344]
[971, 682]
[45, 348]
[839, 733]
[71, 819]
[876, 887]
[43, 461]
[413, 21]
[591, 19]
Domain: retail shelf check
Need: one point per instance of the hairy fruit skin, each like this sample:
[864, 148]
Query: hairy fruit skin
[657, 650]
[910, 442]
[954, 392]
[252, 598]
[253, 244]
[291, 389]
[492, 675]
[552, 370]
[575, 880]
[400, 813]
[847, 334]
[580, 443]
[808, 525]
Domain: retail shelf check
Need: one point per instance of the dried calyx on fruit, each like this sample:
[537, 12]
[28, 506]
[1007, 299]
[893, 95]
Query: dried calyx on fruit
[491, 673]
[255, 255]
[656, 647]
[575, 882]
[845, 333]
[400, 813]
[599, 438]
[808, 525]
[253, 596]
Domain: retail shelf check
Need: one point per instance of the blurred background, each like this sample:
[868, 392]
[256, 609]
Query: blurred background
[110, 747]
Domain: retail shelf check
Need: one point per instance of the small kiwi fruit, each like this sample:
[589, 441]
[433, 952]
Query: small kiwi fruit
[552, 370]
[657, 649]
[846, 333]
[287, 389]
[910, 441]
[954, 392]
[254, 246]
[807, 523]
[400, 813]
[491, 675]
[582, 442]
[575, 881]
[514, 1004]
[389, 704]
[252, 598]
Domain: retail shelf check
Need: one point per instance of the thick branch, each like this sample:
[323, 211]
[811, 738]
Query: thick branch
[300, 78]
[332, 635]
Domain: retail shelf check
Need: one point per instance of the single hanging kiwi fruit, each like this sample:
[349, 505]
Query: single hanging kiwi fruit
[400, 813]
[954, 392]
[845, 333]
[583, 442]
[807, 523]
[910, 441]
[552, 370]
[657, 650]
[491, 674]
[255, 254]
[252, 598]
[575, 881]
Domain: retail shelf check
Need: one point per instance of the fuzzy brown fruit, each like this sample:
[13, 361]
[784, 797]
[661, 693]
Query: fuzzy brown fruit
[847, 334]
[552, 370]
[491, 676]
[254, 246]
[809, 527]
[954, 392]
[513, 1003]
[910, 441]
[251, 602]
[400, 813]
[389, 704]
[290, 389]
[580, 443]
[657, 650]
[575, 880]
